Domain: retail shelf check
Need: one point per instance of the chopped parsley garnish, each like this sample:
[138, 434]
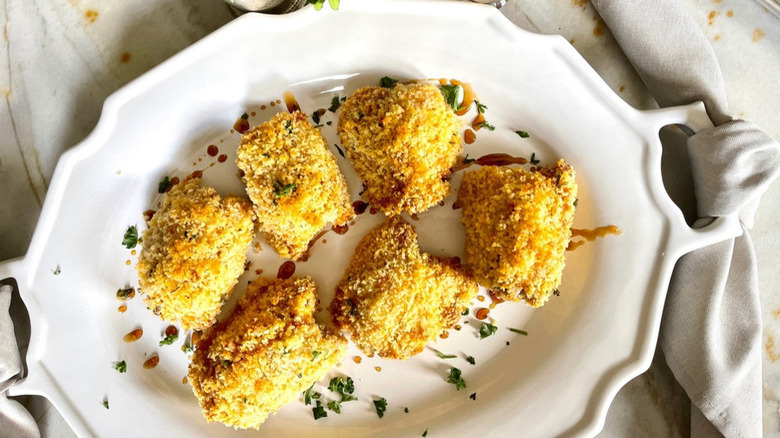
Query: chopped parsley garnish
[480, 108]
[556, 292]
[533, 159]
[334, 4]
[344, 387]
[329, 122]
[169, 339]
[130, 239]
[380, 406]
[121, 366]
[473, 396]
[226, 363]
[576, 200]
[319, 411]
[387, 82]
[487, 126]
[162, 186]
[452, 95]
[335, 103]
[315, 354]
[188, 349]
[288, 126]
[57, 270]
[471, 360]
[468, 160]
[518, 331]
[444, 356]
[406, 410]
[465, 312]
[487, 330]
[456, 379]
[426, 432]
[105, 403]
[245, 116]
[124, 293]
[310, 395]
[334, 406]
[522, 134]
[339, 149]
[283, 189]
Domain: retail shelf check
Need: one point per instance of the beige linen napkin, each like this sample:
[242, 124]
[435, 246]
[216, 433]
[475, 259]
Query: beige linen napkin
[711, 327]
[15, 421]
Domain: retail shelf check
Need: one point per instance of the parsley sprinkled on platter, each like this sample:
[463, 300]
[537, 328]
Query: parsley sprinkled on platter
[344, 386]
[226, 363]
[57, 270]
[473, 396]
[406, 410]
[310, 395]
[426, 432]
[576, 200]
[452, 95]
[487, 330]
[340, 151]
[480, 107]
[380, 406]
[465, 312]
[456, 379]
[315, 354]
[335, 103]
[471, 360]
[283, 189]
[319, 411]
[444, 356]
[556, 292]
[245, 116]
[105, 403]
[125, 293]
[130, 239]
[468, 160]
[288, 126]
[518, 331]
[533, 159]
[387, 82]
[169, 339]
[522, 134]
[187, 348]
[487, 126]
[121, 366]
[334, 4]
[334, 406]
[162, 186]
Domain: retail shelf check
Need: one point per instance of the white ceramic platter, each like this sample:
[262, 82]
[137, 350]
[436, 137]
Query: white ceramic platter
[581, 347]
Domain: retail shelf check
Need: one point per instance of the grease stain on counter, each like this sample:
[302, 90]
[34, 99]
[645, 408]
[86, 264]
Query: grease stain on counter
[91, 15]
[758, 35]
[770, 349]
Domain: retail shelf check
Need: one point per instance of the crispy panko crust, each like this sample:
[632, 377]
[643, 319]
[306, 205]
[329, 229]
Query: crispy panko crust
[193, 253]
[518, 225]
[394, 299]
[293, 182]
[264, 355]
[402, 142]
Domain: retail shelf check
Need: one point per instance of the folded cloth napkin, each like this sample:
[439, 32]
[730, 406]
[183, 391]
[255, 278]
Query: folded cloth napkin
[15, 421]
[711, 327]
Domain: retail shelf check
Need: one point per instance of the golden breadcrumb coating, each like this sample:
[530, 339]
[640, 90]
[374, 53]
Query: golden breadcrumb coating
[293, 182]
[394, 299]
[518, 225]
[193, 253]
[402, 142]
[264, 355]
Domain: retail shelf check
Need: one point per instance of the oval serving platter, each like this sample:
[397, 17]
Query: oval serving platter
[559, 379]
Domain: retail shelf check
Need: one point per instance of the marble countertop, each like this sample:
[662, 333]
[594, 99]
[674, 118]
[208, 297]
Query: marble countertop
[61, 58]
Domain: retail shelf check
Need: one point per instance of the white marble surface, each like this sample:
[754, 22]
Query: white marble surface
[61, 58]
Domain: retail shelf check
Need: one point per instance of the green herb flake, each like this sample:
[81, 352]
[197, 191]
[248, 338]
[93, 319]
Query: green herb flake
[473, 396]
[169, 339]
[344, 386]
[288, 126]
[329, 122]
[226, 363]
[188, 349]
[245, 116]
[487, 330]
[444, 356]
[283, 189]
[121, 366]
[162, 186]
[465, 312]
[105, 403]
[480, 107]
[130, 239]
[487, 126]
[406, 410]
[556, 292]
[468, 160]
[335, 103]
[518, 331]
[57, 270]
[471, 360]
[125, 293]
[341, 152]
[387, 82]
[310, 395]
[426, 432]
[452, 94]
[315, 354]
[319, 411]
[522, 134]
[456, 378]
[576, 200]
[533, 159]
[334, 406]
[315, 117]
[380, 406]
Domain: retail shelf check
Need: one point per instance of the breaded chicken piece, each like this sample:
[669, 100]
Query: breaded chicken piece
[264, 355]
[402, 142]
[518, 225]
[193, 253]
[394, 299]
[293, 182]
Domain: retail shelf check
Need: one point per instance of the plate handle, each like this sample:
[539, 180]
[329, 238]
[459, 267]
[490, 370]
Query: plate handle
[692, 118]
